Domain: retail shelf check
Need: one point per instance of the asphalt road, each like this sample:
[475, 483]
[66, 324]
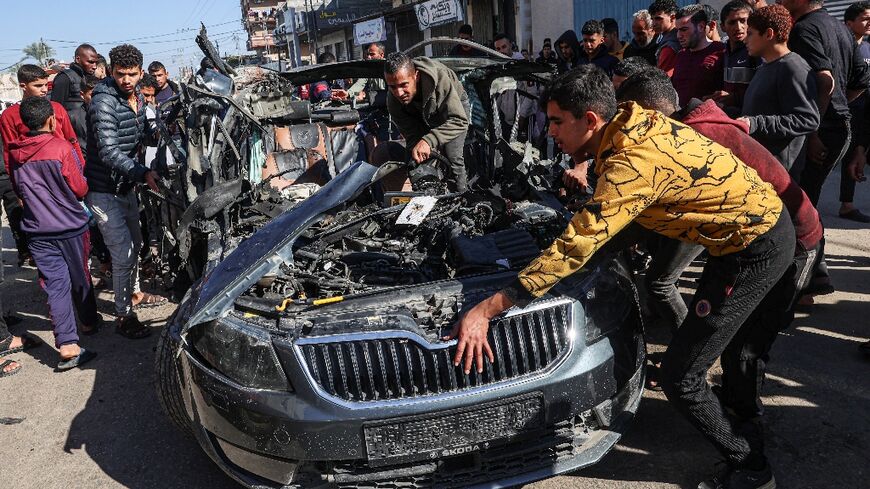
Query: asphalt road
[102, 426]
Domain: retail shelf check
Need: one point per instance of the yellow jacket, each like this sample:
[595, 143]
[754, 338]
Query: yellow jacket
[671, 180]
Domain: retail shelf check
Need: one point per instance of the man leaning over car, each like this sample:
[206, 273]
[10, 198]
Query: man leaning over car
[697, 191]
[430, 107]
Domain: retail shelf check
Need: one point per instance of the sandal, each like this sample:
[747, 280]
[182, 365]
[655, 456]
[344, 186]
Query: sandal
[653, 377]
[855, 215]
[150, 300]
[82, 358]
[4, 373]
[28, 341]
[130, 328]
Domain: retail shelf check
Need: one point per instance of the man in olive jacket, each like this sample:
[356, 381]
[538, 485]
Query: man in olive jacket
[430, 107]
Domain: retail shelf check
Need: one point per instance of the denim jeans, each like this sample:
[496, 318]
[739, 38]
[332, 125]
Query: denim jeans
[670, 259]
[731, 288]
[118, 219]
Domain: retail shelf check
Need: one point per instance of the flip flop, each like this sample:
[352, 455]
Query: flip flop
[150, 300]
[82, 358]
[4, 373]
[28, 341]
[856, 215]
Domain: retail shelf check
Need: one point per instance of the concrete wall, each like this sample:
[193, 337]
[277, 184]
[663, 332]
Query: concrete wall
[550, 19]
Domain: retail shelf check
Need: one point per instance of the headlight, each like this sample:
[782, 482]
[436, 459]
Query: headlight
[607, 306]
[242, 352]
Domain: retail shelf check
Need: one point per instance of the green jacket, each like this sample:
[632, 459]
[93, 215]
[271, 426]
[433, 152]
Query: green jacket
[438, 113]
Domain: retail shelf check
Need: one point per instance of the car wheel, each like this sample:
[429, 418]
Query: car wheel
[168, 385]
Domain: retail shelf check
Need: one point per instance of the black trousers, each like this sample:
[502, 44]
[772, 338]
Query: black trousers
[732, 287]
[13, 213]
[836, 139]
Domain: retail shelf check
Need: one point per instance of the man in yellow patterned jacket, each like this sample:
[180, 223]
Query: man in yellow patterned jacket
[669, 179]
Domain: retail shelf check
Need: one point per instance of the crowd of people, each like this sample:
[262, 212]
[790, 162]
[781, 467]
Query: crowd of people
[707, 133]
[74, 162]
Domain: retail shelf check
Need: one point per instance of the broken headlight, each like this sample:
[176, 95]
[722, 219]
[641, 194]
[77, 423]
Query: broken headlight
[242, 352]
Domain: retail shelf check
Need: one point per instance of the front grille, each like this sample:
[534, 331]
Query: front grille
[387, 368]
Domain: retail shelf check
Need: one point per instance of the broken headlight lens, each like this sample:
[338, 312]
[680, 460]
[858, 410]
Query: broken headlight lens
[242, 352]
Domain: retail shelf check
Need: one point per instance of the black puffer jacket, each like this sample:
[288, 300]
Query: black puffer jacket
[115, 134]
[67, 91]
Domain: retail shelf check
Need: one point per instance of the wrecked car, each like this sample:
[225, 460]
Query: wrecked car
[312, 354]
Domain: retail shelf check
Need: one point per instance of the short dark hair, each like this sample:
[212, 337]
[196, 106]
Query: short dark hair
[610, 25]
[466, 29]
[325, 58]
[83, 48]
[125, 56]
[775, 17]
[697, 13]
[853, 11]
[30, 73]
[592, 27]
[35, 111]
[652, 89]
[734, 6]
[149, 80]
[502, 35]
[659, 6]
[156, 66]
[585, 88]
[630, 66]
[89, 81]
[396, 62]
[378, 45]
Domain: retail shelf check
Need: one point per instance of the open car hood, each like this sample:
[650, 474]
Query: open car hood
[272, 245]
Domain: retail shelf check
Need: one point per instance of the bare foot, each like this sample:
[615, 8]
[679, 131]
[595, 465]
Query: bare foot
[69, 351]
[17, 342]
[12, 366]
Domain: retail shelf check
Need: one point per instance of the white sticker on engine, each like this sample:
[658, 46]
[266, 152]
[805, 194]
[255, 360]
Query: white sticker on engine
[416, 210]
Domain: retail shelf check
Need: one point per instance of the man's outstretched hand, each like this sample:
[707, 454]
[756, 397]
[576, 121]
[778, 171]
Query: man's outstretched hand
[150, 179]
[471, 330]
[421, 151]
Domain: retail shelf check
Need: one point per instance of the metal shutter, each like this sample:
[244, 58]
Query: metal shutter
[837, 7]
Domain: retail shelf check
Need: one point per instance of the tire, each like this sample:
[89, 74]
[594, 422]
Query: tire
[168, 385]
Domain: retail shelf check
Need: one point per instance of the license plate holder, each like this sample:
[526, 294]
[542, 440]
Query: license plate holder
[454, 432]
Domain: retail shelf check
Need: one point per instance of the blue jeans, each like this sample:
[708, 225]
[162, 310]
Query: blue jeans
[118, 219]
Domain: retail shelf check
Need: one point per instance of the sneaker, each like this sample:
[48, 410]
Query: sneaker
[730, 478]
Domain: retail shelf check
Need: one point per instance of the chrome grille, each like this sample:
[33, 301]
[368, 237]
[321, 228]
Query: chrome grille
[398, 365]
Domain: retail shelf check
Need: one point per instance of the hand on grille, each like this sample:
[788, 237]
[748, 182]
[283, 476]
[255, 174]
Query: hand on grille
[472, 329]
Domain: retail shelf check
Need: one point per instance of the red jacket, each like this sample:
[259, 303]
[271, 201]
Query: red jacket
[12, 129]
[708, 119]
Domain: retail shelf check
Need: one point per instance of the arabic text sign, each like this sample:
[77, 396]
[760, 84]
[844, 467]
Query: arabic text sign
[437, 12]
[369, 31]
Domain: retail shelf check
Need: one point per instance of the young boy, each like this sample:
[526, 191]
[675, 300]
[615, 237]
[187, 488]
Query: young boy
[33, 81]
[89, 81]
[675, 182]
[47, 174]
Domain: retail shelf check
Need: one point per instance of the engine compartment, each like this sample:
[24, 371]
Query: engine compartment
[363, 249]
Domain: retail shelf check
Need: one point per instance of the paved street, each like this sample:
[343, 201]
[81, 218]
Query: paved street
[102, 426]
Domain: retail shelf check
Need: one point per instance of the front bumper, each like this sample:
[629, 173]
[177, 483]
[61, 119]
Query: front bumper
[267, 439]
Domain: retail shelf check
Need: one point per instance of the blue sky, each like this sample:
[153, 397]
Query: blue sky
[163, 30]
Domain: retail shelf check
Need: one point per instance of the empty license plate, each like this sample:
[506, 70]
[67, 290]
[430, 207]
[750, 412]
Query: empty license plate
[451, 433]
